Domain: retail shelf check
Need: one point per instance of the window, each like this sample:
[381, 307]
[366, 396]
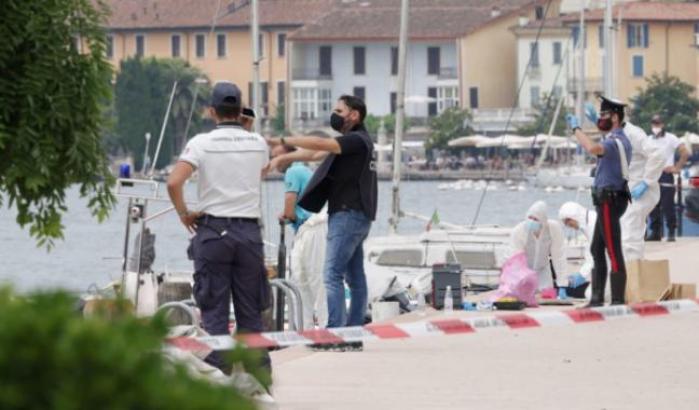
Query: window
[305, 103]
[539, 12]
[325, 102]
[325, 56]
[637, 35]
[281, 44]
[473, 97]
[281, 93]
[447, 97]
[557, 56]
[432, 106]
[638, 66]
[359, 92]
[534, 55]
[359, 60]
[433, 60]
[175, 45]
[200, 41]
[140, 45]
[260, 46]
[535, 96]
[394, 60]
[110, 47]
[576, 37]
[221, 45]
[600, 34]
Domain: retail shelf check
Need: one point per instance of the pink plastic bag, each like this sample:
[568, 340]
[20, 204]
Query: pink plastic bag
[518, 281]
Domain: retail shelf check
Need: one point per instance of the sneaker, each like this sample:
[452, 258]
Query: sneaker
[318, 347]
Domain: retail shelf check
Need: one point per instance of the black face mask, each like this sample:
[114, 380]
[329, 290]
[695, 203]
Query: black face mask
[337, 122]
[604, 124]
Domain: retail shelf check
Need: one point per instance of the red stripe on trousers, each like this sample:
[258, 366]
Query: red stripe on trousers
[608, 234]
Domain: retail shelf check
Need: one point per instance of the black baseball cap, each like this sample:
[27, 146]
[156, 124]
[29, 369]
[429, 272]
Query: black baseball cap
[248, 112]
[226, 92]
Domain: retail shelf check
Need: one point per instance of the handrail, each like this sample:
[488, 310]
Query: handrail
[293, 294]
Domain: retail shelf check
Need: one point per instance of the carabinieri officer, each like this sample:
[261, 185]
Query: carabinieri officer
[610, 195]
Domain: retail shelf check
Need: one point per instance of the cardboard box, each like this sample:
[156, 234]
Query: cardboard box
[678, 291]
[647, 280]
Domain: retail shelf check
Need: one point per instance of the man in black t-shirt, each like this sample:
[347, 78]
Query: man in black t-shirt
[346, 180]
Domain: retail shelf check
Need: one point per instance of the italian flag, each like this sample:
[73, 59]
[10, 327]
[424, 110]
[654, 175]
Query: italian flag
[433, 221]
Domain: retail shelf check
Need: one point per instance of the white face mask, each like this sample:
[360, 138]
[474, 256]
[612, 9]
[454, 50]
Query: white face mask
[656, 130]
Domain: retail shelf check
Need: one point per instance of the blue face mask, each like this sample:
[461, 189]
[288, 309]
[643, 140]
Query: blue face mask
[533, 225]
[570, 233]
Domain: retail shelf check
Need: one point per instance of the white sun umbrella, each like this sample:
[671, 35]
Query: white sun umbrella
[503, 140]
[468, 141]
[690, 138]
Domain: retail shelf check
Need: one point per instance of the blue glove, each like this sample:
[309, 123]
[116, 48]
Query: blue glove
[576, 280]
[562, 294]
[573, 121]
[591, 113]
[639, 190]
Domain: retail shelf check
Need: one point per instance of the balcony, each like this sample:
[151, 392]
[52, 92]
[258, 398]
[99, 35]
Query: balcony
[448, 73]
[309, 73]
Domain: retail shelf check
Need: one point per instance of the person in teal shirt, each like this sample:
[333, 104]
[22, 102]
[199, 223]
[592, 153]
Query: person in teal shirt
[296, 177]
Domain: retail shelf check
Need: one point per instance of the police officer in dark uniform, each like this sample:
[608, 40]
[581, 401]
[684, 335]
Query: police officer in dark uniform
[227, 249]
[610, 195]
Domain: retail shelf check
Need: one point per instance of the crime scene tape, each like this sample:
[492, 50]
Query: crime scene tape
[436, 327]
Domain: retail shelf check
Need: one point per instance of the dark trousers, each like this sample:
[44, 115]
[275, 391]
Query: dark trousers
[665, 208]
[607, 241]
[228, 259]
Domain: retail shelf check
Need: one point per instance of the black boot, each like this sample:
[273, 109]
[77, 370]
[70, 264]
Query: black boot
[599, 282]
[671, 235]
[618, 282]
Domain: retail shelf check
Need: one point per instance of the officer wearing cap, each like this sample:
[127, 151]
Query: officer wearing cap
[610, 195]
[227, 248]
[668, 144]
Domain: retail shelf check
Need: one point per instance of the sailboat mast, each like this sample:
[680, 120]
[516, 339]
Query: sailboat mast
[580, 110]
[609, 51]
[400, 113]
[255, 33]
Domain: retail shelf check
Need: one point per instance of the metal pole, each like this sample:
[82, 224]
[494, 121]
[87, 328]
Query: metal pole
[162, 129]
[191, 111]
[255, 33]
[581, 64]
[680, 206]
[145, 155]
[608, 34]
[281, 274]
[400, 113]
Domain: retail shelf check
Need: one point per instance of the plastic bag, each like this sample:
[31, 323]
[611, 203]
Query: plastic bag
[517, 280]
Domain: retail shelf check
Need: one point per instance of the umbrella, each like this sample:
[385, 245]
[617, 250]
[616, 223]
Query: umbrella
[468, 141]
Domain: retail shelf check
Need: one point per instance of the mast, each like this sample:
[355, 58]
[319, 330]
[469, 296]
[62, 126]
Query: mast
[255, 33]
[608, 51]
[580, 109]
[400, 114]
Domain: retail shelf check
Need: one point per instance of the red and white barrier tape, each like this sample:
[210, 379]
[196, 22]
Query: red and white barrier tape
[436, 327]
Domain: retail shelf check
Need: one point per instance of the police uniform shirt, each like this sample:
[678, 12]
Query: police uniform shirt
[229, 160]
[668, 144]
[609, 173]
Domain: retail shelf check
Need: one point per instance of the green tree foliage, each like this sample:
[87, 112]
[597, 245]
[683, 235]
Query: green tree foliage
[51, 358]
[543, 118]
[54, 83]
[373, 122]
[450, 124]
[143, 89]
[671, 98]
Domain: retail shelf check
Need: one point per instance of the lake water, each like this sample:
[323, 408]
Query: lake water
[91, 252]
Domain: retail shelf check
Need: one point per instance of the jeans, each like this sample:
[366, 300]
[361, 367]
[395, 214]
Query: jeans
[344, 261]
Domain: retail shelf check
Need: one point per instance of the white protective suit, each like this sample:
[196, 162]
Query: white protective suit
[647, 163]
[586, 219]
[307, 259]
[542, 251]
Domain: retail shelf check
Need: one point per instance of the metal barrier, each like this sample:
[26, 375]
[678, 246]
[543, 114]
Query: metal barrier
[293, 295]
